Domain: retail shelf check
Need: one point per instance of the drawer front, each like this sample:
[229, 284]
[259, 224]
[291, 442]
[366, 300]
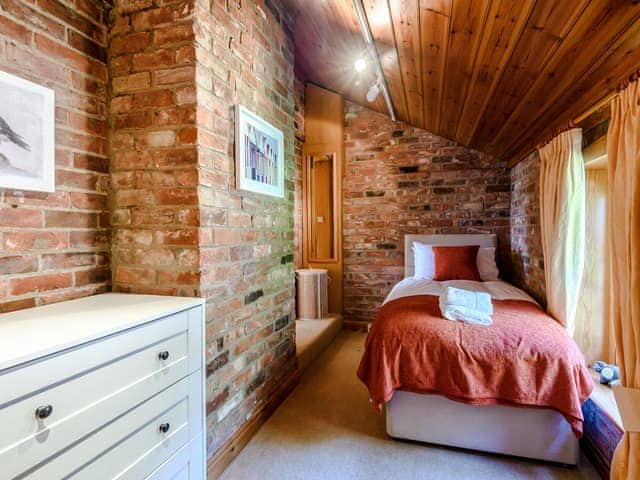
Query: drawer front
[23, 381]
[176, 468]
[186, 464]
[131, 446]
[89, 401]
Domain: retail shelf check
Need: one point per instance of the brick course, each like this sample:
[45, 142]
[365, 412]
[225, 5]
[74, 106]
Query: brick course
[55, 246]
[526, 242]
[398, 180]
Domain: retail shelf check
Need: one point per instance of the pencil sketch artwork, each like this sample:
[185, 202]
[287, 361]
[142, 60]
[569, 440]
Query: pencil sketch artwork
[27, 129]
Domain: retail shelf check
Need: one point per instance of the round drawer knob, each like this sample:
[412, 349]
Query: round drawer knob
[163, 355]
[44, 411]
[164, 427]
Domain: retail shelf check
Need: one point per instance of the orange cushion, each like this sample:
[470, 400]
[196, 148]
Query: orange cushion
[456, 263]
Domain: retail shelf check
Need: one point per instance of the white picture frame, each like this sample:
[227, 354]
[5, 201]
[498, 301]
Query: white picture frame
[27, 135]
[260, 165]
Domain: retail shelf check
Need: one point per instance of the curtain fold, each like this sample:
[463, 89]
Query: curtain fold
[623, 151]
[562, 218]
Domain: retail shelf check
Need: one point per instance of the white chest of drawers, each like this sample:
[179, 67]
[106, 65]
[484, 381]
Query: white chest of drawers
[104, 387]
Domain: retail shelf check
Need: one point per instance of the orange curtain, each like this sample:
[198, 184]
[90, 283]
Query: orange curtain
[562, 220]
[623, 150]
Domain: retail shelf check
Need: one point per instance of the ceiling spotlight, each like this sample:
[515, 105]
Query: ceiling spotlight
[381, 84]
[360, 64]
[373, 93]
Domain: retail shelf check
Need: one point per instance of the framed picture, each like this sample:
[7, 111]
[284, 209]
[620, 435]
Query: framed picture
[27, 135]
[259, 155]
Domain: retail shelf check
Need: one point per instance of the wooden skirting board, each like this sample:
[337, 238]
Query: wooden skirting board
[232, 447]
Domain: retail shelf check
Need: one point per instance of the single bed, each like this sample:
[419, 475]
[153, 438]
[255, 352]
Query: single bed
[544, 428]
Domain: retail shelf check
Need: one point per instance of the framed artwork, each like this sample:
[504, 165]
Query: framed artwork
[27, 135]
[259, 155]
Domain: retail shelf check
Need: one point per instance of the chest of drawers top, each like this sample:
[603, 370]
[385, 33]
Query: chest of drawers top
[30, 334]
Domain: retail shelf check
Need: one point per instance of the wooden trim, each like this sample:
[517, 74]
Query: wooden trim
[232, 447]
[310, 154]
[324, 133]
[596, 106]
[595, 155]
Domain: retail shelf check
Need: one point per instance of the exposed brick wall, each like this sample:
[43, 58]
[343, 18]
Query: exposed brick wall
[244, 55]
[55, 246]
[154, 160]
[299, 89]
[180, 226]
[526, 242]
[398, 180]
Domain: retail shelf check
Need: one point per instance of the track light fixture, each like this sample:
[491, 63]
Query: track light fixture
[373, 92]
[380, 84]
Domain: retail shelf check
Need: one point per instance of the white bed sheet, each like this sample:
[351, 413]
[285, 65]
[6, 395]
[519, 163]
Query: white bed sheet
[498, 290]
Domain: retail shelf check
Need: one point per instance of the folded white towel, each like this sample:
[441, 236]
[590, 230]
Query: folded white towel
[480, 301]
[464, 314]
[466, 306]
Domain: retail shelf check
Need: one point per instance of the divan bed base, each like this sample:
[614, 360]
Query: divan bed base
[538, 433]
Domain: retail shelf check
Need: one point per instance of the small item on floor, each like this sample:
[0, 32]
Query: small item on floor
[461, 305]
[609, 373]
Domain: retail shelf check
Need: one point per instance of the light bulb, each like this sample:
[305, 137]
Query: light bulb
[360, 64]
[373, 93]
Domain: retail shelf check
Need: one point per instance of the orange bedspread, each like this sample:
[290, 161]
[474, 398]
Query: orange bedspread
[524, 358]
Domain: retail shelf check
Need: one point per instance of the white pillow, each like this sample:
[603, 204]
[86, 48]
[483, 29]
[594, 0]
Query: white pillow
[423, 260]
[486, 262]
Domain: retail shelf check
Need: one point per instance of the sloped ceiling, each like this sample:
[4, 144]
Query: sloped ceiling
[495, 75]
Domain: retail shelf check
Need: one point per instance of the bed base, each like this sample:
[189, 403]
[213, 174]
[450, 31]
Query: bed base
[537, 433]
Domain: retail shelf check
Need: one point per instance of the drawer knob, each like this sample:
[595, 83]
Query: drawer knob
[44, 411]
[163, 355]
[164, 427]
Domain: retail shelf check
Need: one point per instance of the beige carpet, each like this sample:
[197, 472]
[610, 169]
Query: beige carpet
[327, 430]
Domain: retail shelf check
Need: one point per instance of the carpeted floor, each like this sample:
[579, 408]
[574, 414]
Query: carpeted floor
[327, 430]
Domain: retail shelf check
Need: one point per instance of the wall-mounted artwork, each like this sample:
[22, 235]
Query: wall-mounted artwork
[27, 135]
[259, 155]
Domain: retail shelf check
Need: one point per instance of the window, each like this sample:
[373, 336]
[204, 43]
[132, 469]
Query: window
[592, 331]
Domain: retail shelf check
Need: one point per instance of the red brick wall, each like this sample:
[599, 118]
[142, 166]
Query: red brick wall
[180, 226]
[526, 243]
[154, 159]
[55, 246]
[299, 88]
[244, 55]
[398, 180]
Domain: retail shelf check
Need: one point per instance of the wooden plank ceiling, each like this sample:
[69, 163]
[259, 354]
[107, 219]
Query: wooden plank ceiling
[495, 75]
